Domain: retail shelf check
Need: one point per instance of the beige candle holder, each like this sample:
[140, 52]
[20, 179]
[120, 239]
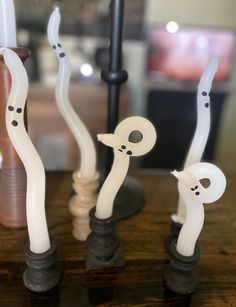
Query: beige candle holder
[81, 203]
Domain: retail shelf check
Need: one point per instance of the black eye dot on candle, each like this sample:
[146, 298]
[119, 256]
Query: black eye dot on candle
[197, 193]
[19, 110]
[129, 152]
[11, 108]
[192, 189]
[59, 45]
[123, 147]
[14, 123]
[204, 93]
[207, 105]
[62, 55]
[120, 150]
[54, 47]
[196, 187]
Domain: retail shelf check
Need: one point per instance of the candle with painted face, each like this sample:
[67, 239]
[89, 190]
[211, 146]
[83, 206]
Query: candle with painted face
[7, 24]
[80, 132]
[123, 150]
[202, 129]
[35, 199]
[194, 195]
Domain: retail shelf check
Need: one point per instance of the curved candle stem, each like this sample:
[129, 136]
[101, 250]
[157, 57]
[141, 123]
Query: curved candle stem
[35, 199]
[7, 24]
[111, 186]
[123, 150]
[194, 195]
[81, 134]
[203, 126]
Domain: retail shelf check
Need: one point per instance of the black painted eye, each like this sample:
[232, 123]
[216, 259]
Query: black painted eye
[123, 147]
[14, 123]
[19, 110]
[11, 108]
[207, 105]
[204, 93]
[192, 189]
[59, 45]
[197, 193]
[120, 150]
[54, 47]
[129, 152]
[196, 187]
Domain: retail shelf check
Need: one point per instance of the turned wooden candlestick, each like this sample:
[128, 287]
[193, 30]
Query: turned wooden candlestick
[13, 176]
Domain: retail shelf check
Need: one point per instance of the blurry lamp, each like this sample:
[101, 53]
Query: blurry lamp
[172, 27]
[86, 70]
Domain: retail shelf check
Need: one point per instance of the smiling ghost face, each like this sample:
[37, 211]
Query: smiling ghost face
[59, 50]
[15, 112]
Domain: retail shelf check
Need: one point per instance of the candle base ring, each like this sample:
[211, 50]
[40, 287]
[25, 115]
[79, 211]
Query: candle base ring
[103, 246]
[43, 272]
[180, 275]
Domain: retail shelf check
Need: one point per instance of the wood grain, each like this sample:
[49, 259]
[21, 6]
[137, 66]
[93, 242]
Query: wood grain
[140, 282]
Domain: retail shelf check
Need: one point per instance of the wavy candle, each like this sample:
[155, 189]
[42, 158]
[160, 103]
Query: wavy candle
[81, 134]
[194, 195]
[203, 126]
[7, 24]
[123, 150]
[35, 199]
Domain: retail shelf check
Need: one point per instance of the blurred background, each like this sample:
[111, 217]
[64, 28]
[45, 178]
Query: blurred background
[166, 47]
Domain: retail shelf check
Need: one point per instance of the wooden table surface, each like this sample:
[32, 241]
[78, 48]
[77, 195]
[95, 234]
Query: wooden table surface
[140, 282]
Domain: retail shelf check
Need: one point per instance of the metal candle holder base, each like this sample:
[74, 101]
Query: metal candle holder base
[42, 272]
[103, 246]
[175, 228]
[180, 275]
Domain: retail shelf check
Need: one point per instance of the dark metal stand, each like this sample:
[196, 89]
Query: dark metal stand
[103, 246]
[180, 275]
[174, 233]
[42, 272]
[114, 77]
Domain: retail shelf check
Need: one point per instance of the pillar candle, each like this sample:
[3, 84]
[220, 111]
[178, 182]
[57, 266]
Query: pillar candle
[7, 24]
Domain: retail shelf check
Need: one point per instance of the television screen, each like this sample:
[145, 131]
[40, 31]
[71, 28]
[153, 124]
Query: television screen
[184, 54]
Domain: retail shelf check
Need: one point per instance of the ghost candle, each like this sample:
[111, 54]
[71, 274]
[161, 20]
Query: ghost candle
[103, 246]
[81, 134]
[202, 129]
[123, 150]
[42, 272]
[86, 179]
[7, 24]
[180, 275]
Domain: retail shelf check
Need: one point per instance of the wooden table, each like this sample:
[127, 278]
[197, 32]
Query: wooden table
[140, 282]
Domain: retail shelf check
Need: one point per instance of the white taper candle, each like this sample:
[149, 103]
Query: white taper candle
[35, 199]
[123, 150]
[7, 24]
[194, 195]
[80, 132]
[199, 141]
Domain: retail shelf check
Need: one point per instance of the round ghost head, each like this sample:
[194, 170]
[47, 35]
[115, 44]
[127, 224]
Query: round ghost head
[121, 142]
[191, 188]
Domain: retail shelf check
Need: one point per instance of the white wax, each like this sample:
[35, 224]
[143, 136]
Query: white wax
[199, 141]
[7, 24]
[80, 132]
[194, 195]
[35, 198]
[123, 150]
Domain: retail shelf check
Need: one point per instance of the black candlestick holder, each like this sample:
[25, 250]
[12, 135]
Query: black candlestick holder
[180, 275]
[175, 228]
[103, 245]
[43, 272]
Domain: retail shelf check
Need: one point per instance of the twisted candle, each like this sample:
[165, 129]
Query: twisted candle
[35, 199]
[80, 132]
[202, 129]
